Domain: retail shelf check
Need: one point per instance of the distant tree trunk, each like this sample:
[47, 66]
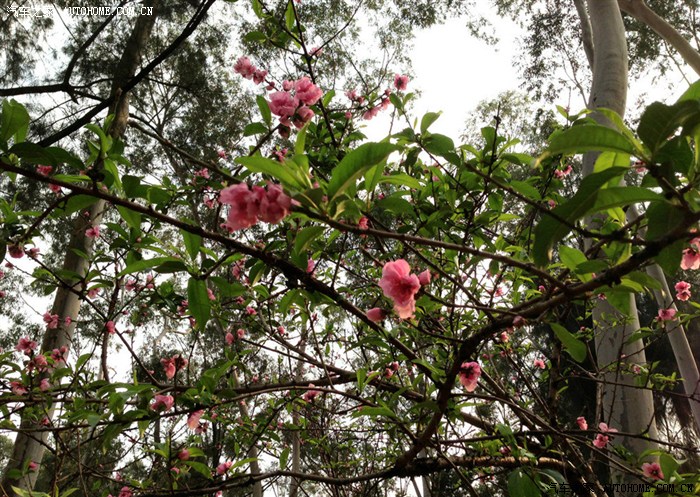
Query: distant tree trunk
[641, 12]
[31, 442]
[624, 407]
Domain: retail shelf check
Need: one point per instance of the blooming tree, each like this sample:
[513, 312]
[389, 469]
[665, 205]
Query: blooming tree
[317, 312]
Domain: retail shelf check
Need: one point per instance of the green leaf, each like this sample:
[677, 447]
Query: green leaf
[402, 179]
[279, 171]
[199, 303]
[51, 156]
[111, 167]
[200, 468]
[255, 129]
[289, 16]
[438, 144]
[526, 189]
[192, 243]
[428, 119]
[264, 109]
[662, 218]
[572, 345]
[520, 484]
[659, 121]
[74, 203]
[306, 236]
[623, 196]
[284, 456]
[144, 264]
[15, 121]
[692, 93]
[254, 36]
[355, 164]
[132, 218]
[586, 138]
[549, 230]
[572, 258]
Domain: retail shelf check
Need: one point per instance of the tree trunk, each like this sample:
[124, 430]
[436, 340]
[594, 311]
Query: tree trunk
[624, 407]
[31, 441]
[641, 12]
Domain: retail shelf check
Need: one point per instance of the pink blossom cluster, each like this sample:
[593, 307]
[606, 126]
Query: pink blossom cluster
[173, 364]
[248, 206]
[682, 290]
[469, 373]
[245, 68]
[652, 470]
[691, 256]
[162, 403]
[311, 394]
[292, 103]
[602, 439]
[401, 286]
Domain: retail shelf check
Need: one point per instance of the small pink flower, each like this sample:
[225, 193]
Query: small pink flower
[307, 92]
[240, 332]
[110, 327]
[221, 154]
[245, 205]
[250, 311]
[44, 384]
[26, 346]
[44, 170]
[93, 292]
[193, 419]
[259, 76]
[400, 82]
[244, 67]
[424, 278]
[210, 294]
[601, 441]
[310, 395]
[363, 223]
[539, 363]
[51, 320]
[302, 116]
[682, 290]
[125, 492]
[230, 338]
[376, 315]
[131, 285]
[582, 423]
[183, 455]
[223, 467]
[518, 322]
[691, 259]
[274, 204]
[370, 113]
[93, 232]
[469, 374]
[310, 266]
[55, 188]
[652, 470]
[284, 105]
[401, 286]
[15, 251]
[162, 403]
[667, 314]
[18, 387]
[33, 466]
[33, 252]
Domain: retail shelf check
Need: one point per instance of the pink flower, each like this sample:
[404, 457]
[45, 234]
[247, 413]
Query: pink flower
[15, 251]
[131, 285]
[245, 205]
[18, 387]
[51, 320]
[601, 441]
[55, 188]
[363, 223]
[582, 423]
[39, 363]
[223, 467]
[26, 346]
[125, 492]
[230, 338]
[221, 154]
[667, 314]
[307, 92]
[424, 278]
[539, 363]
[44, 170]
[310, 395]
[682, 290]
[690, 260]
[518, 322]
[93, 232]
[210, 294]
[283, 104]
[250, 311]
[469, 374]
[400, 82]
[183, 455]
[44, 384]
[652, 470]
[281, 330]
[370, 113]
[244, 67]
[302, 116]
[376, 315]
[259, 76]
[240, 333]
[110, 327]
[274, 204]
[33, 252]
[310, 266]
[193, 419]
[162, 403]
[33, 466]
[401, 286]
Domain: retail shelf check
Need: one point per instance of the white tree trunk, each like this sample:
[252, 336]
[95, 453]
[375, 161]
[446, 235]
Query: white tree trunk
[32, 441]
[624, 407]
